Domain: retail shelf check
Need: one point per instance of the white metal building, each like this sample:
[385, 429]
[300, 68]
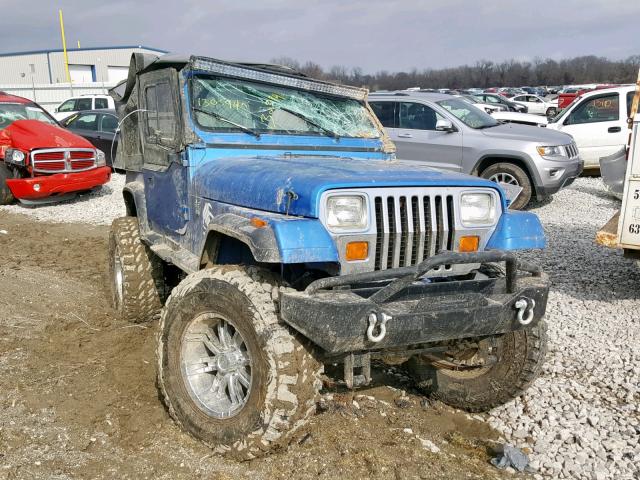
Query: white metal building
[106, 65]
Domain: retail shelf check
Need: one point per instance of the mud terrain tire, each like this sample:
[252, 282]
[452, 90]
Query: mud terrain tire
[511, 171]
[520, 357]
[281, 375]
[5, 194]
[138, 293]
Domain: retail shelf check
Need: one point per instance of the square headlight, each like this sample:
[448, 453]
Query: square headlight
[477, 209]
[346, 212]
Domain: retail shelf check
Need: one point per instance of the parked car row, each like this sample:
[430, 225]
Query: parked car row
[596, 119]
[449, 133]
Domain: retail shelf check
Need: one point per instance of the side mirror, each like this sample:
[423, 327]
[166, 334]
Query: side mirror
[444, 126]
[56, 110]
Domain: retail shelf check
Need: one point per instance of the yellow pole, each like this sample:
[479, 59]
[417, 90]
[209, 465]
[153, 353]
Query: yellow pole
[64, 47]
[78, 43]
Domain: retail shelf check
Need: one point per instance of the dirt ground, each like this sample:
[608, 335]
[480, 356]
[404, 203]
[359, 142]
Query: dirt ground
[78, 396]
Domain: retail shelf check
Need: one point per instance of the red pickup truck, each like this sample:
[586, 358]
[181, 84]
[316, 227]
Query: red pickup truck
[39, 160]
[567, 97]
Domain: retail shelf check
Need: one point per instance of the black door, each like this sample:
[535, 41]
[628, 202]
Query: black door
[107, 137]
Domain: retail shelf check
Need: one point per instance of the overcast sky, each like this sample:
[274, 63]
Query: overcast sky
[372, 34]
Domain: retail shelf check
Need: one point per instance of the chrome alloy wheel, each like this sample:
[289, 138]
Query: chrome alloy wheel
[216, 365]
[506, 178]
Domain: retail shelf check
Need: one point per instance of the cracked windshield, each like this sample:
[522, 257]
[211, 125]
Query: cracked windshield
[223, 104]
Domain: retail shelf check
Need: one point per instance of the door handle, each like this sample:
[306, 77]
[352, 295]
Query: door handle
[405, 135]
[613, 129]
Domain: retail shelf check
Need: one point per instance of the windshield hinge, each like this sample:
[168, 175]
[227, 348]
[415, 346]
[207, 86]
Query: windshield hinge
[291, 196]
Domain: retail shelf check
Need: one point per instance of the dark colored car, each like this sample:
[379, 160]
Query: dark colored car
[504, 101]
[97, 126]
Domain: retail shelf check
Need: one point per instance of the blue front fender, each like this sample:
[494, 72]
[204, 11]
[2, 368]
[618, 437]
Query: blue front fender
[517, 231]
[304, 241]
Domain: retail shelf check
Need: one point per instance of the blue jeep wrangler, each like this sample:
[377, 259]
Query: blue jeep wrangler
[270, 209]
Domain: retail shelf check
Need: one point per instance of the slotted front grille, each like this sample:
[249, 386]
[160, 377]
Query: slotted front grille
[572, 150]
[411, 228]
[61, 160]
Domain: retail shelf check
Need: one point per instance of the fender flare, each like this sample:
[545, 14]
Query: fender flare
[133, 194]
[271, 237]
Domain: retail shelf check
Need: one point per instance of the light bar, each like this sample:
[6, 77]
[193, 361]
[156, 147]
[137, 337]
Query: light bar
[230, 70]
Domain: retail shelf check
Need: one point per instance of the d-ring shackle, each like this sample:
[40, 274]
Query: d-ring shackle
[523, 305]
[382, 327]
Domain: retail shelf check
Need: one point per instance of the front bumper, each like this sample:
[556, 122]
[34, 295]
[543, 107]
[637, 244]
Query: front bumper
[34, 188]
[568, 171]
[419, 311]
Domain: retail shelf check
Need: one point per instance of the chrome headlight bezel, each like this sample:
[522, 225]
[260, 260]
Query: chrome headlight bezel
[488, 219]
[332, 206]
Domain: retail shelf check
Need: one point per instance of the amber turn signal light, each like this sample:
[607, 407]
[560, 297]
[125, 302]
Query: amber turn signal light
[357, 251]
[258, 222]
[469, 244]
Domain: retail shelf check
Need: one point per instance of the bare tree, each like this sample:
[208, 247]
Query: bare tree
[485, 73]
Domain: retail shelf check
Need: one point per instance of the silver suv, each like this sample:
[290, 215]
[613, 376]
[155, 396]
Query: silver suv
[448, 133]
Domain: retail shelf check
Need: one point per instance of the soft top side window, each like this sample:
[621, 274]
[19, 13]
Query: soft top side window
[160, 117]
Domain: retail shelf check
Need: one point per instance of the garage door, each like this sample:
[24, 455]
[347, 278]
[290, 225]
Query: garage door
[81, 73]
[117, 74]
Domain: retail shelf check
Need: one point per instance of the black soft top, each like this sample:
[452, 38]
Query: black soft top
[146, 62]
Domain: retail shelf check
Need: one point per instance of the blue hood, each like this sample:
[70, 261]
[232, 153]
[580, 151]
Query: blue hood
[262, 182]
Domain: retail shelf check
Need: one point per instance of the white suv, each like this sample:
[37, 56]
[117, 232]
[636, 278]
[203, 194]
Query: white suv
[536, 104]
[84, 102]
[598, 123]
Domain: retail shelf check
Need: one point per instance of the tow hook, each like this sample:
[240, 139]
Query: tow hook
[381, 326]
[524, 306]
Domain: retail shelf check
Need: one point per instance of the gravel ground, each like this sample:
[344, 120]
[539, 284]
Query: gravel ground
[98, 208]
[581, 417]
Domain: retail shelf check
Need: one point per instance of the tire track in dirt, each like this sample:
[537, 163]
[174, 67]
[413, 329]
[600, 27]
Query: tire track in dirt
[78, 396]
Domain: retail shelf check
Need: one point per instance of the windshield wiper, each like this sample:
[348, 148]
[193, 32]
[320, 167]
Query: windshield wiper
[311, 122]
[230, 122]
